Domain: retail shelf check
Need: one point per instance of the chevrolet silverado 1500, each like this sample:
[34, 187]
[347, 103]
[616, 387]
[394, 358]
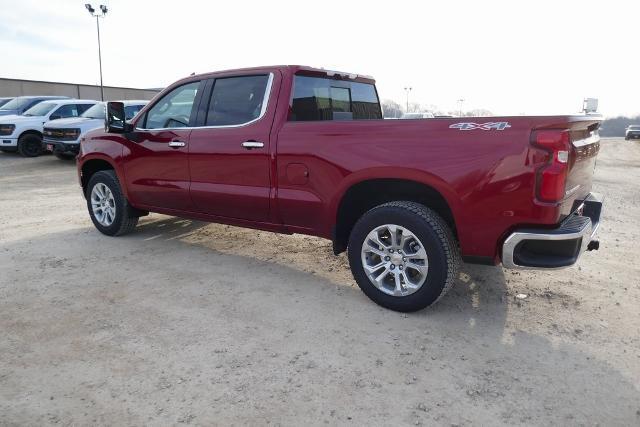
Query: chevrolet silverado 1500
[294, 149]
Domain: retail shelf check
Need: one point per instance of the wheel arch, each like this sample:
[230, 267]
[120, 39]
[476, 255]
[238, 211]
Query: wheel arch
[95, 164]
[30, 132]
[362, 195]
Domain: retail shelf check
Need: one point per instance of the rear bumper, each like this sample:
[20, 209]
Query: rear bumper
[633, 135]
[533, 248]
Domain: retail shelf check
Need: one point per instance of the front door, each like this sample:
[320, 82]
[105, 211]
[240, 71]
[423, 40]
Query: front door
[157, 165]
[229, 155]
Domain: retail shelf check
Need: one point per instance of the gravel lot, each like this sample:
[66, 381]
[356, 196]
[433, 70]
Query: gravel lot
[187, 322]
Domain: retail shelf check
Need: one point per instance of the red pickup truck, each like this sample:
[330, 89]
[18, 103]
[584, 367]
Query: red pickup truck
[293, 149]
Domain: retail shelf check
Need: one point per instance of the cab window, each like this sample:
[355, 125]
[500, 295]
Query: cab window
[175, 109]
[236, 100]
[317, 98]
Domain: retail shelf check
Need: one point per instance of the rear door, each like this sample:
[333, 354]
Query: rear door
[229, 155]
[157, 167]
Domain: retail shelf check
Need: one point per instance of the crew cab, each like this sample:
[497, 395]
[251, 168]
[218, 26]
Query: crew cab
[62, 136]
[23, 133]
[293, 149]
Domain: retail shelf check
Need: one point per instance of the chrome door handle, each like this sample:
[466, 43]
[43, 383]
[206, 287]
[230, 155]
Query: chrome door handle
[177, 144]
[252, 144]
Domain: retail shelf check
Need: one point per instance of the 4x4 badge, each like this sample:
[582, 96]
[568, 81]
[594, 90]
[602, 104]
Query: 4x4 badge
[481, 126]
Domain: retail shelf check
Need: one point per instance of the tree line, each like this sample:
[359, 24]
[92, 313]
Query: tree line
[613, 126]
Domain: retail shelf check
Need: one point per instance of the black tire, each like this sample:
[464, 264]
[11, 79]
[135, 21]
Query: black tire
[437, 239]
[125, 219]
[30, 145]
[65, 156]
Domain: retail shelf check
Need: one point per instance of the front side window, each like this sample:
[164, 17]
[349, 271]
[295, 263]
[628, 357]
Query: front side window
[317, 98]
[236, 100]
[69, 110]
[41, 109]
[174, 110]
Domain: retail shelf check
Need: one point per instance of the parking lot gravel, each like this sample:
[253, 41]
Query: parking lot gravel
[205, 324]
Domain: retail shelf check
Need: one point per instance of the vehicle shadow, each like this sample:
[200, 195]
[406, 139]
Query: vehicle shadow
[186, 301]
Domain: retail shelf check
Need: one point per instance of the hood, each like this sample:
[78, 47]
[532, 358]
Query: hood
[70, 121]
[15, 119]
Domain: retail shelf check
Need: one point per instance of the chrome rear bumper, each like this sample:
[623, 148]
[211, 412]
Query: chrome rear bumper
[560, 247]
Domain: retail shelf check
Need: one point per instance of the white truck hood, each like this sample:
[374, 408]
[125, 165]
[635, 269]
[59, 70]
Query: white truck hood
[83, 123]
[22, 120]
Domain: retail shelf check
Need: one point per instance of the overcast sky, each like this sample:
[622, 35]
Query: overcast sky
[510, 57]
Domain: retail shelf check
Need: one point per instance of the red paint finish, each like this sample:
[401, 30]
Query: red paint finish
[295, 183]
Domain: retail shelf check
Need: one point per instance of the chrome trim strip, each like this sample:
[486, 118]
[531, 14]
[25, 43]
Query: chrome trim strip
[591, 139]
[265, 104]
[587, 234]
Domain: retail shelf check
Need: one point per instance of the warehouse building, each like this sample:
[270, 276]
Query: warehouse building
[17, 87]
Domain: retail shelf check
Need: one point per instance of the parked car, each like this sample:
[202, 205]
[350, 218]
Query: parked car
[21, 104]
[62, 136]
[24, 132]
[425, 115]
[294, 149]
[632, 132]
[4, 101]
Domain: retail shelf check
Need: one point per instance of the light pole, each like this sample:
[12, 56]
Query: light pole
[460, 102]
[93, 13]
[407, 90]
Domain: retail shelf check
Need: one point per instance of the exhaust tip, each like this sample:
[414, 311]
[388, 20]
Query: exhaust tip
[594, 245]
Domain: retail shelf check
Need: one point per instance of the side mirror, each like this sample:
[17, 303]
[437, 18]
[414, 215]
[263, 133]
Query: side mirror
[115, 121]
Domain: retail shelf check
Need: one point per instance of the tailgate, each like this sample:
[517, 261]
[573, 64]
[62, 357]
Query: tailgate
[585, 145]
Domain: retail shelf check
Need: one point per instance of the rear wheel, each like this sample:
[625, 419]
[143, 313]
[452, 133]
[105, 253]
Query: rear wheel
[109, 210]
[30, 145]
[403, 256]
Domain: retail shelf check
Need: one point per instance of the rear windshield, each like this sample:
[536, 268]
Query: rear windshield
[41, 109]
[317, 98]
[634, 127]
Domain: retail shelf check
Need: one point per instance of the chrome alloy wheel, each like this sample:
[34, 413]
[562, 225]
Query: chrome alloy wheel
[395, 260]
[103, 204]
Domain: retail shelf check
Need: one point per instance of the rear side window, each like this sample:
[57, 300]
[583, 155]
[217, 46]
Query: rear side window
[237, 100]
[316, 98]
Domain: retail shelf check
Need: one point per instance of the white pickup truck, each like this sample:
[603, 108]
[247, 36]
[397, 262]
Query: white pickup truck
[62, 136]
[24, 132]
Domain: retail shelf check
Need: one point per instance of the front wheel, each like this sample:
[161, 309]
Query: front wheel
[30, 145]
[109, 209]
[403, 256]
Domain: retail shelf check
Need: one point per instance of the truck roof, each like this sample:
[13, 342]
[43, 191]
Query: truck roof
[290, 69]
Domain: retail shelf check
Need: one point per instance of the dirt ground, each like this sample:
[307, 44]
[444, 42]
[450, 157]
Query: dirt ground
[187, 322]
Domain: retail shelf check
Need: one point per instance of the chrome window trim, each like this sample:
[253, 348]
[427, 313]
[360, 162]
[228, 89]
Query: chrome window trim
[263, 111]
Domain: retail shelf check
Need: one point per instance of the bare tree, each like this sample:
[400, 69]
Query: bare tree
[391, 109]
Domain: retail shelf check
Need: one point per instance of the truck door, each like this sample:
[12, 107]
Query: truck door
[157, 167]
[229, 158]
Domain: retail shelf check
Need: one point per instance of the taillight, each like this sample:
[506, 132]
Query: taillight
[552, 176]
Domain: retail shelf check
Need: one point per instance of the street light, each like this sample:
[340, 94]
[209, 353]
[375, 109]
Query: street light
[407, 90]
[460, 102]
[93, 13]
